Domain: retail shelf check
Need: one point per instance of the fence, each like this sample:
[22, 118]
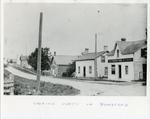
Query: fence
[8, 84]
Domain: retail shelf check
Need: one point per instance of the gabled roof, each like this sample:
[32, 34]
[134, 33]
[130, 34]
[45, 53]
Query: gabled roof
[128, 47]
[89, 56]
[23, 58]
[64, 59]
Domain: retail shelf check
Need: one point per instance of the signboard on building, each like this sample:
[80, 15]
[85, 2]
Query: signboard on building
[120, 60]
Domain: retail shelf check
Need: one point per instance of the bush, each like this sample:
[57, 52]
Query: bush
[144, 84]
[5, 65]
[17, 89]
[64, 74]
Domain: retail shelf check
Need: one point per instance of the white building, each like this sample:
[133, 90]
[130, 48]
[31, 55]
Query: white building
[127, 61]
[85, 64]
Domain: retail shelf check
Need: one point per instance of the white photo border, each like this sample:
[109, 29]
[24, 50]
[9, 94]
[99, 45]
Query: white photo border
[41, 107]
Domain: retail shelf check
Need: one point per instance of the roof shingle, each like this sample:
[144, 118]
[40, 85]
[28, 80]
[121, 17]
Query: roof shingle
[89, 56]
[64, 59]
[128, 47]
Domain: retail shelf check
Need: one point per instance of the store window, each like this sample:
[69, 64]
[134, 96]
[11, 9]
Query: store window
[112, 69]
[106, 71]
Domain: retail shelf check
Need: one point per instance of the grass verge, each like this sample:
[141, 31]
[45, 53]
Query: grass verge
[28, 87]
[23, 86]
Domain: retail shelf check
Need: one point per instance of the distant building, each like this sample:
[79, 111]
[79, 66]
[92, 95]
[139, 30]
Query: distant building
[127, 61]
[24, 61]
[85, 64]
[5, 61]
[12, 61]
[60, 64]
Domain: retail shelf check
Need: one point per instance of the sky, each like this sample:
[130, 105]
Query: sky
[70, 28]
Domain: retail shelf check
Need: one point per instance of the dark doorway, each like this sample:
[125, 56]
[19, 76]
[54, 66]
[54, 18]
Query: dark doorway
[119, 69]
[144, 71]
[84, 71]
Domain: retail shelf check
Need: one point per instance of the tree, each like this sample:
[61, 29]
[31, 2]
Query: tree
[45, 61]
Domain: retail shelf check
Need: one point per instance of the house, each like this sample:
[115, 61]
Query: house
[92, 64]
[12, 61]
[5, 61]
[60, 64]
[127, 61]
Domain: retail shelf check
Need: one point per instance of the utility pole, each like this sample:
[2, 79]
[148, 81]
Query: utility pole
[39, 54]
[95, 61]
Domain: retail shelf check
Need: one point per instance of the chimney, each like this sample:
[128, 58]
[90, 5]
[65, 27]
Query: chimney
[123, 39]
[55, 53]
[85, 51]
[105, 48]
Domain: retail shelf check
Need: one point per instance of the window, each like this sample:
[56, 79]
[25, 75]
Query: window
[117, 53]
[144, 52]
[90, 69]
[112, 69]
[126, 70]
[102, 58]
[78, 70]
[106, 71]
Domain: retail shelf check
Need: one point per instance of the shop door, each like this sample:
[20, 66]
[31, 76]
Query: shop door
[119, 69]
[84, 71]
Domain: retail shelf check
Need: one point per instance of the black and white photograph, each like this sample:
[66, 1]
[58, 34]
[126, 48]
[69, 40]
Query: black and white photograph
[82, 49]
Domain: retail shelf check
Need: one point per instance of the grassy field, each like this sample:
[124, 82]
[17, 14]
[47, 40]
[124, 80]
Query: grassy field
[23, 86]
[28, 87]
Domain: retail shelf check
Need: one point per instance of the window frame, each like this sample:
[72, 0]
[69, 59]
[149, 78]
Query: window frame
[106, 70]
[78, 69]
[126, 69]
[103, 59]
[90, 69]
[117, 52]
[113, 69]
